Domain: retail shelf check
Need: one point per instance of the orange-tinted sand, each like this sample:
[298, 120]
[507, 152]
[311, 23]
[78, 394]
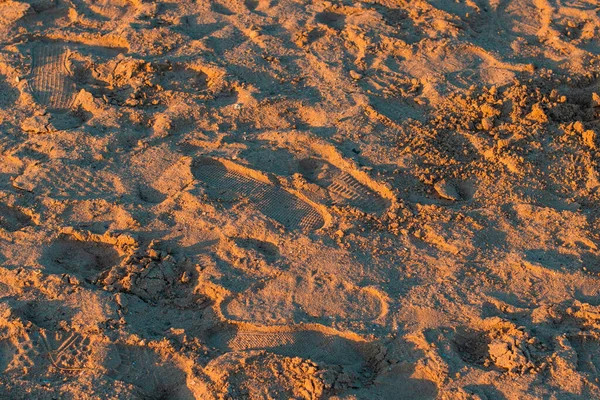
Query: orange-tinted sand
[274, 199]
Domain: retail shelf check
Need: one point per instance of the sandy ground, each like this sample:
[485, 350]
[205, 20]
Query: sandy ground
[229, 199]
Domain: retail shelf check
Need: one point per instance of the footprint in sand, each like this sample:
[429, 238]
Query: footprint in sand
[86, 259]
[268, 250]
[258, 6]
[355, 355]
[52, 79]
[273, 201]
[587, 347]
[332, 19]
[51, 83]
[12, 219]
[472, 346]
[60, 180]
[344, 189]
[152, 374]
[316, 298]
[20, 352]
[67, 351]
[113, 9]
[6, 354]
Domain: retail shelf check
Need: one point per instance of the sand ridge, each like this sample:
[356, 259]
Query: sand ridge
[373, 199]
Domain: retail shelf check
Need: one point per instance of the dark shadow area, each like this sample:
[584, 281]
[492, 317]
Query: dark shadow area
[12, 219]
[486, 392]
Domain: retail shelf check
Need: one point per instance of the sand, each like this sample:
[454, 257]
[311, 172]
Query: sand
[274, 199]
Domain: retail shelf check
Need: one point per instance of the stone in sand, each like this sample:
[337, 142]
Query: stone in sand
[447, 190]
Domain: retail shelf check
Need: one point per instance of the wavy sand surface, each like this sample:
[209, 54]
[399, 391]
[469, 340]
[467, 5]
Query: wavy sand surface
[228, 199]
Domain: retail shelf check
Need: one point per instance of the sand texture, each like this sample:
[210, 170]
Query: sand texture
[277, 199]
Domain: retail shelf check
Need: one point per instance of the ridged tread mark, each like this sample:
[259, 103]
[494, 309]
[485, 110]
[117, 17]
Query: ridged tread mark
[342, 185]
[273, 201]
[51, 83]
[68, 352]
[307, 344]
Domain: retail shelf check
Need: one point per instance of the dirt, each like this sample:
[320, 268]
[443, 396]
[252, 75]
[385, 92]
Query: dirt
[273, 199]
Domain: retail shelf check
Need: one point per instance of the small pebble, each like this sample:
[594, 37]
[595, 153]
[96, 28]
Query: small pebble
[447, 190]
[355, 75]
[487, 124]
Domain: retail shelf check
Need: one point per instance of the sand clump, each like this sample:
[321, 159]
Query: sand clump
[299, 199]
